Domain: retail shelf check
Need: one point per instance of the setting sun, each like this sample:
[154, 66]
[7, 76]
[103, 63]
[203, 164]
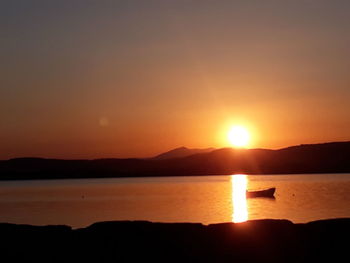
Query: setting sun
[239, 136]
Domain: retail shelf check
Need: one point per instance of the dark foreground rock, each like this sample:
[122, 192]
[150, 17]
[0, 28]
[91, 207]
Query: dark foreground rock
[140, 241]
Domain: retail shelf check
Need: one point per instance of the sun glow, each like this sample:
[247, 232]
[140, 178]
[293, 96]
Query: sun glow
[239, 136]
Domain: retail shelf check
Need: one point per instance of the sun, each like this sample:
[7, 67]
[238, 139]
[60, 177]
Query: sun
[239, 136]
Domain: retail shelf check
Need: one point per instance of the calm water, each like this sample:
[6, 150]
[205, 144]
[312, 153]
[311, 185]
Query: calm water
[205, 199]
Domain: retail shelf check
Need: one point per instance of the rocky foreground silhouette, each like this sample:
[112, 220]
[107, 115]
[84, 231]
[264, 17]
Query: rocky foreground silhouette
[141, 241]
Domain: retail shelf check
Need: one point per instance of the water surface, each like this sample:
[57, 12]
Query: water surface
[205, 199]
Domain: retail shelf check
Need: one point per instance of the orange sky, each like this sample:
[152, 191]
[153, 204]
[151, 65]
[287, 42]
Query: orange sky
[135, 79]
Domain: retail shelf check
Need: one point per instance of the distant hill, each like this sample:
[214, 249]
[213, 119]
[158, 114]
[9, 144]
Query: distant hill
[181, 152]
[313, 158]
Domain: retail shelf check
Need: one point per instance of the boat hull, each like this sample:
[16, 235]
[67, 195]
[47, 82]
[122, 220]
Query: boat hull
[261, 193]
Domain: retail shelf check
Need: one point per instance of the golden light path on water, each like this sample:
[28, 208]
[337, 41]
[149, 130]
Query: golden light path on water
[239, 200]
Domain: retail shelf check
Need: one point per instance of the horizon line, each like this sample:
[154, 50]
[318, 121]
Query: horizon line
[145, 158]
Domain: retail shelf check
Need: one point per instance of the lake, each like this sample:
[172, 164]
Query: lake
[204, 199]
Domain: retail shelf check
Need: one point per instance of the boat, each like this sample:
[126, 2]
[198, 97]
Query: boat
[269, 193]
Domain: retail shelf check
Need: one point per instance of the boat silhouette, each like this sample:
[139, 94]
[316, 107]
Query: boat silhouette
[269, 193]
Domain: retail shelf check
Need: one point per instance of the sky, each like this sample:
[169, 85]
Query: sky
[100, 79]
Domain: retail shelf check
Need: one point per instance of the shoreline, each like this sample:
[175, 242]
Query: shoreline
[265, 240]
[160, 176]
[301, 159]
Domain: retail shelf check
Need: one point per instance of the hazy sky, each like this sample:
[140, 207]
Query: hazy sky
[89, 79]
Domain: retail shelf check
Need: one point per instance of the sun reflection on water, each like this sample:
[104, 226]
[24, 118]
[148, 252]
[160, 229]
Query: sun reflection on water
[239, 201]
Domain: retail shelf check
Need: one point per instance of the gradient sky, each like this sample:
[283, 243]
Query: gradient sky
[91, 79]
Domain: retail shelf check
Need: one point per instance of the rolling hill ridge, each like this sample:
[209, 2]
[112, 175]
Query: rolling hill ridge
[311, 158]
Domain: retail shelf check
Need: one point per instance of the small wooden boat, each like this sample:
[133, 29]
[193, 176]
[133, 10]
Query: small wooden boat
[261, 193]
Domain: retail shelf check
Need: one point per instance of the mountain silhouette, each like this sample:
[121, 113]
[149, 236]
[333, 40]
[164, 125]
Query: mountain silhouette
[181, 152]
[310, 158]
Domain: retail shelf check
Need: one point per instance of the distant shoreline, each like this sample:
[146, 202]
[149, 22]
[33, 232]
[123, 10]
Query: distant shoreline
[131, 241]
[303, 159]
[162, 176]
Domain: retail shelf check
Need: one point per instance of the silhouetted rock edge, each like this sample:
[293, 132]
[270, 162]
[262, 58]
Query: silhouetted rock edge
[134, 241]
